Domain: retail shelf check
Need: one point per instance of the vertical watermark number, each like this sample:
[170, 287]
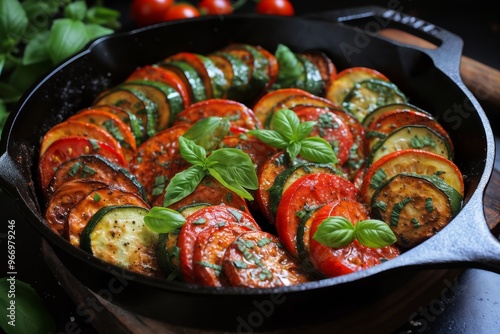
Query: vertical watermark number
[11, 272]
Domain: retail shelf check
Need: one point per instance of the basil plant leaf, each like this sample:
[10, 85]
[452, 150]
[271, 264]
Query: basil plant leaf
[66, 38]
[335, 232]
[13, 20]
[305, 129]
[192, 153]
[233, 186]
[36, 50]
[183, 184]
[208, 132]
[76, 10]
[318, 150]
[31, 314]
[234, 166]
[374, 233]
[163, 220]
[286, 122]
[270, 137]
[293, 149]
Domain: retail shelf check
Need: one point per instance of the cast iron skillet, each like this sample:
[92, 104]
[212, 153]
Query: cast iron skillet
[430, 77]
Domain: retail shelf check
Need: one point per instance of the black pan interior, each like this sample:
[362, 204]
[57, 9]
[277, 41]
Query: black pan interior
[109, 61]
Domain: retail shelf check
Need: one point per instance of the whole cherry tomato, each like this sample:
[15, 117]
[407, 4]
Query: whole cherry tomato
[275, 7]
[215, 7]
[146, 12]
[181, 10]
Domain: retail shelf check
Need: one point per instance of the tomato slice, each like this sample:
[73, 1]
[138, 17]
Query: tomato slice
[74, 128]
[201, 220]
[410, 161]
[68, 148]
[330, 127]
[157, 160]
[238, 114]
[112, 123]
[207, 256]
[354, 257]
[256, 259]
[304, 195]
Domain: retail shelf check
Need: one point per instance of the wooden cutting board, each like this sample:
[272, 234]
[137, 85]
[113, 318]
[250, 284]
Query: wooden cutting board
[421, 289]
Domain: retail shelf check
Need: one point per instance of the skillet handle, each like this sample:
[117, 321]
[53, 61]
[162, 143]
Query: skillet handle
[369, 20]
[9, 175]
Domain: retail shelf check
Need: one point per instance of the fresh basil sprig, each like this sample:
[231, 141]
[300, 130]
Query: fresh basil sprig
[337, 232]
[163, 220]
[233, 168]
[287, 132]
[208, 131]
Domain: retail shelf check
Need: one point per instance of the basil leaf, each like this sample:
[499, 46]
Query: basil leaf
[13, 20]
[36, 50]
[293, 149]
[305, 129]
[192, 153]
[270, 137]
[208, 132]
[66, 38]
[183, 184]
[290, 68]
[335, 232]
[317, 149]
[24, 76]
[286, 122]
[163, 220]
[234, 166]
[233, 186]
[95, 31]
[31, 313]
[374, 233]
[76, 10]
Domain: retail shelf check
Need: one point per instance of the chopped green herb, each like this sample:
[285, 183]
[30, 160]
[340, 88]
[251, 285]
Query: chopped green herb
[74, 169]
[95, 144]
[97, 197]
[378, 177]
[381, 205]
[396, 210]
[263, 242]
[240, 264]
[229, 197]
[415, 222]
[113, 130]
[159, 185]
[238, 215]
[213, 266]
[200, 221]
[88, 170]
[265, 274]
[429, 206]
[375, 134]
[419, 142]
[222, 223]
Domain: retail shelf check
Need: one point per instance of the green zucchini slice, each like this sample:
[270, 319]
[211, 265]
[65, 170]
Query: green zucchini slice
[415, 206]
[118, 235]
[412, 137]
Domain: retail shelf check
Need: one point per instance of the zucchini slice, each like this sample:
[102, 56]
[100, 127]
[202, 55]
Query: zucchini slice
[415, 206]
[167, 98]
[312, 79]
[190, 76]
[119, 236]
[375, 113]
[412, 137]
[236, 73]
[367, 95]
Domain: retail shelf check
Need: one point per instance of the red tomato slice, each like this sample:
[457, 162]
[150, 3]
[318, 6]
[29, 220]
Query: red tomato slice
[201, 220]
[68, 148]
[305, 194]
[210, 247]
[158, 158]
[340, 261]
[256, 259]
[330, 127]
[238, 114]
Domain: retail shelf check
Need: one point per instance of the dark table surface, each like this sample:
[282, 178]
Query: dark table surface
[472, 304]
